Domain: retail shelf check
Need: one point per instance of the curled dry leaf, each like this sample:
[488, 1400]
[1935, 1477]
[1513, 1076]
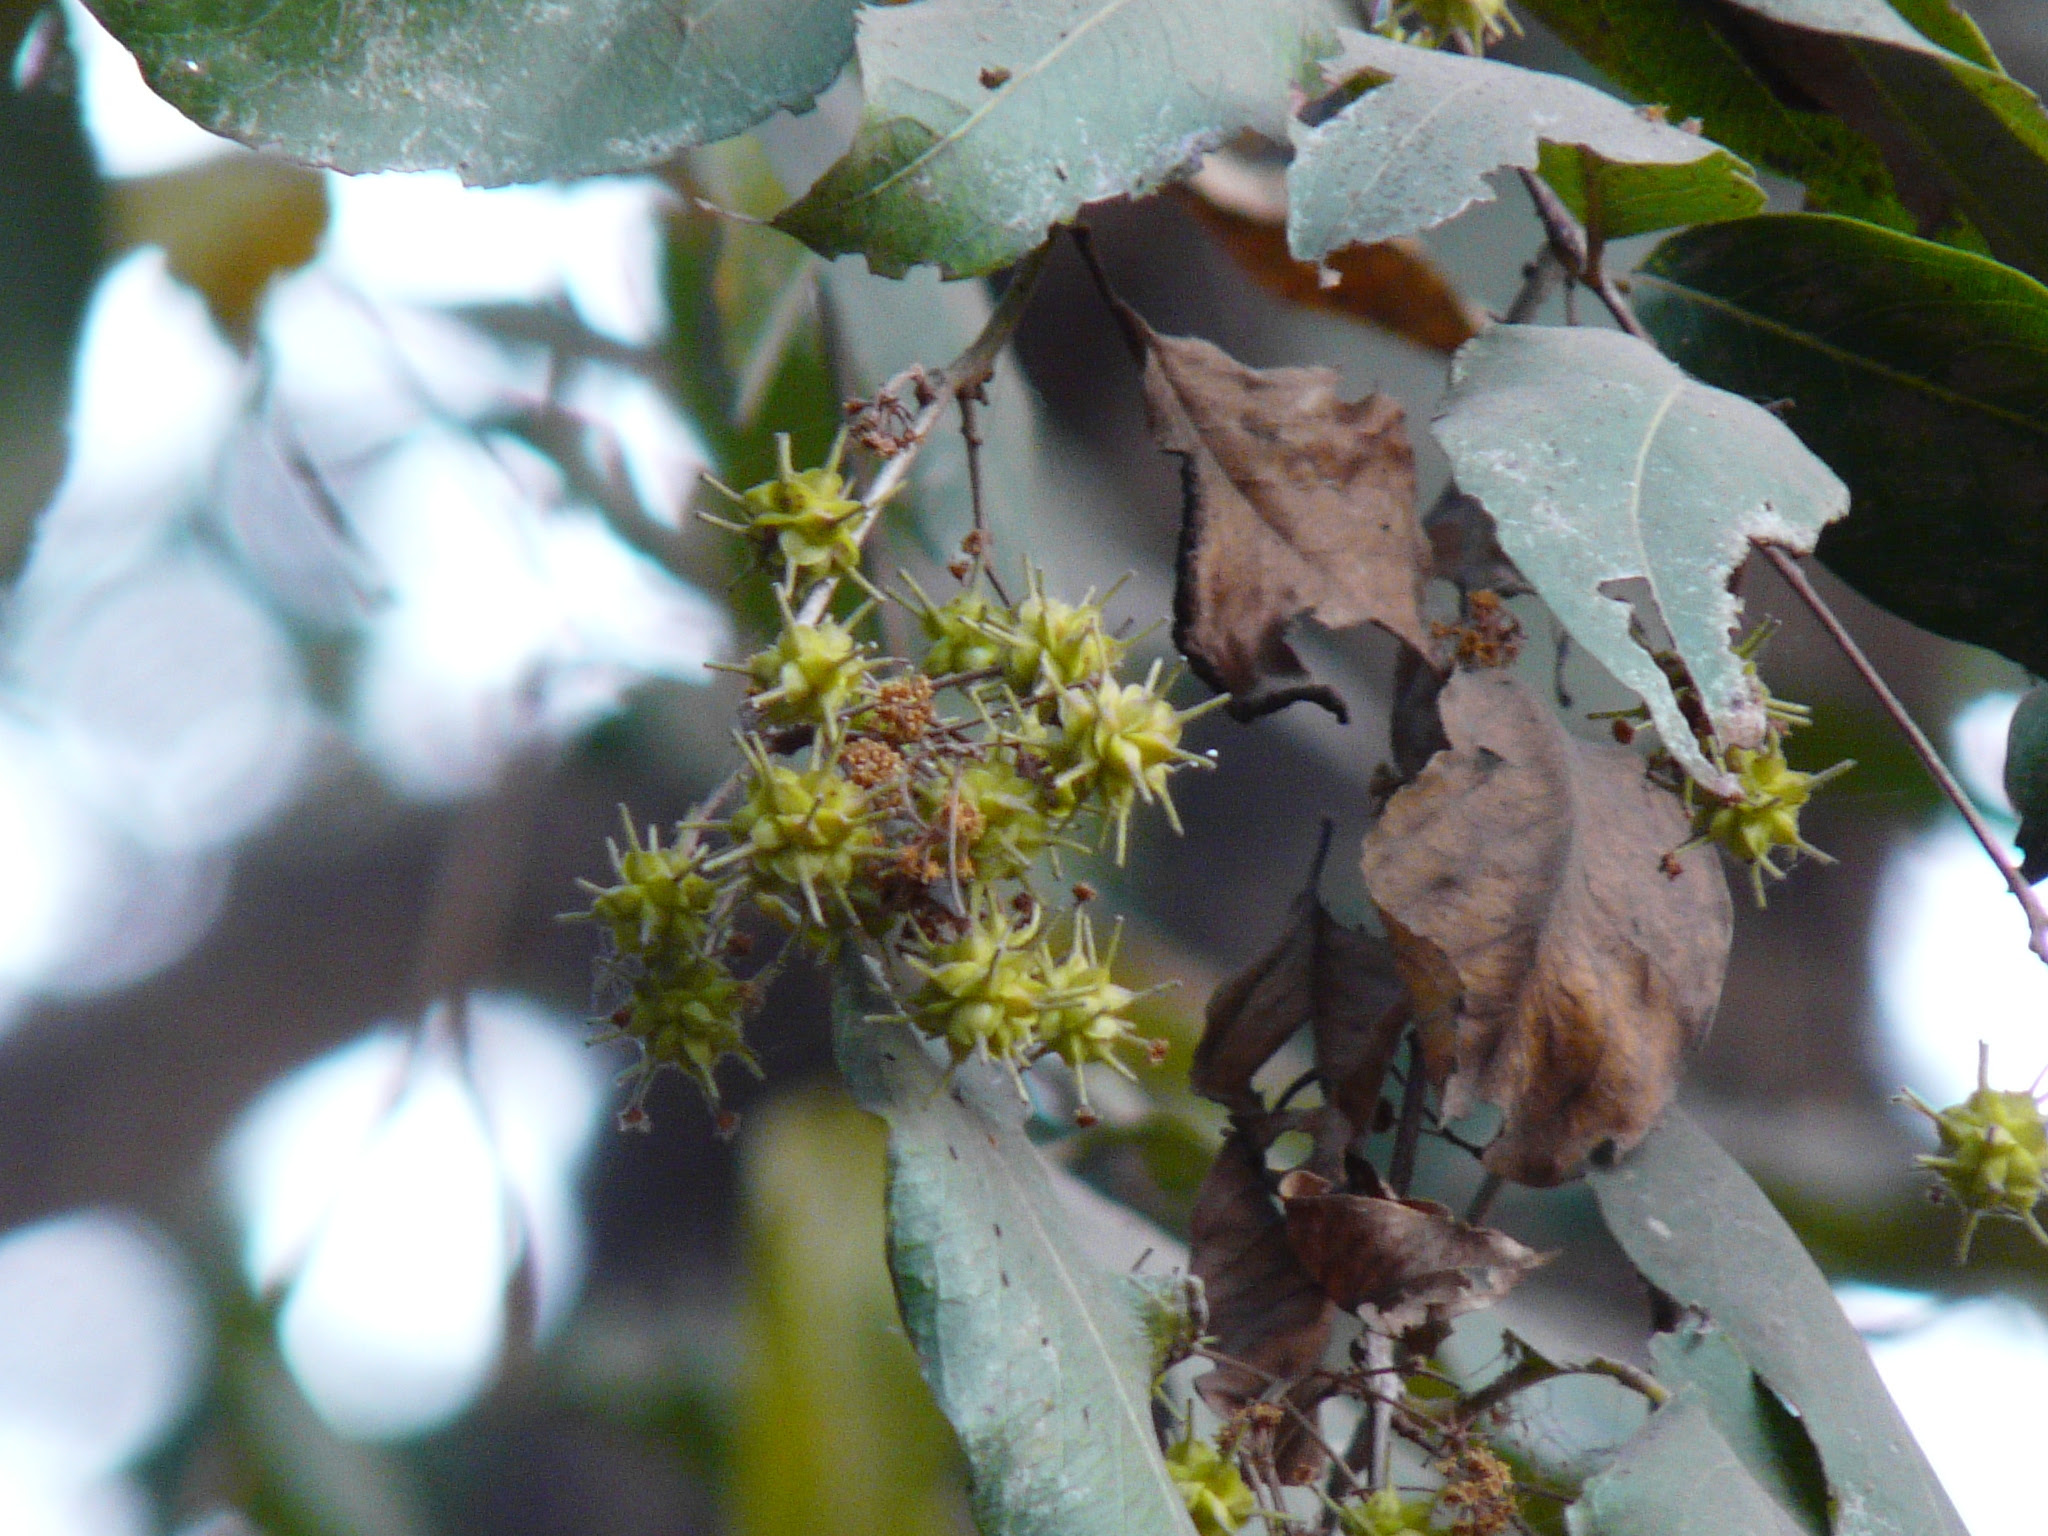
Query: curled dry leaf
[1341, 983]
[1391, 284]
[1411, 1261]
[1265, 1311]
[1295, 502]
[1561, 962]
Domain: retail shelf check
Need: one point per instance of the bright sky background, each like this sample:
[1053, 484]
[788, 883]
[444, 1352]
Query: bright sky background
[387, 1190]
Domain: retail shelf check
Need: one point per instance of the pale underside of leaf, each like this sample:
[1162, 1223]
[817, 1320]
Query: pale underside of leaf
[1560, 971]
[1416, 150]
[1601, 462]
[1296, 503]
[1039, 1358]
[986, 122]
[1677, 1477]
[1699, 1229]
[500, 90]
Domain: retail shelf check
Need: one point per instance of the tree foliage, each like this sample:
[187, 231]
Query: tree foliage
[1550, 916]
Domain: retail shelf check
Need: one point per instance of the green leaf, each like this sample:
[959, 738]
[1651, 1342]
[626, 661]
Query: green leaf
[988, 122]
[1963, 139]
[1600, 462]
[2026, 778]
[501, 90]
[1920, 373]
[1669, 52]
[1039, 1358]
[835, 1432]
[1772, 1444]
[1677, 1477]
[1700, 1230]
[1417, 146]
[51, 250]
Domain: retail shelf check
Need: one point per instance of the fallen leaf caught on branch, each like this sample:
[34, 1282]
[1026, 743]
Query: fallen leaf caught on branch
[1339, 982]
[1528, 874]
[1265, 1311]
[1295, 503]
[1411, 1261]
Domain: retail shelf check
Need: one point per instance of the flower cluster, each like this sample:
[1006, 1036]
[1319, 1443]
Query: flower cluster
[1762, 816]
[902, 806]
[1994, 1155]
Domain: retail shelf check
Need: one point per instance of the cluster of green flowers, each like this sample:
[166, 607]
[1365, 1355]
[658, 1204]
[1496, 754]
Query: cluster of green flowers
[1994, 1154]
[901, 806]
[1762, 817]
[1435, 23]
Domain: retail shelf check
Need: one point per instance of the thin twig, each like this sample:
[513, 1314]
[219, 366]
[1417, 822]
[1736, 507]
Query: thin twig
[1408, 1133]
[1568, 239]
[970, 435]
[2030, 902]
[967, 372]
[1482, 1202]
[1539, 279]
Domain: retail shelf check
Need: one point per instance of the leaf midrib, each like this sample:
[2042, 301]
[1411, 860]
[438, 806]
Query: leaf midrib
[1847, 357]
[1001, 94]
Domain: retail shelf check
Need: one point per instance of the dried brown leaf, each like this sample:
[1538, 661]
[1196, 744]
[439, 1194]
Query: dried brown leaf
[1339, 982]
[1411, 1261]
[1265, 1311]
[1295, 502]
[1391, 284]
[1561, 966]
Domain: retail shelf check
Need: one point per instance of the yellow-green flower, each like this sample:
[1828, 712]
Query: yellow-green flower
[1216, 1494]
[1994, 1155]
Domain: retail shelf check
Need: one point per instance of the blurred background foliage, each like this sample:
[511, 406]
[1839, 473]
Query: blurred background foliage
[358, 587]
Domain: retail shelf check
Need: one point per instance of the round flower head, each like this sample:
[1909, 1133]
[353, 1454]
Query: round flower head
[982, 991]
[686, 1017]
[662, 904]
[1082, 1018]
[1384, 1513]
[990, 816]
[801, 834]
[960, 632]
[1217, 1497]
[1048, 644]
[1766, 817]
[1119, 742]
[812, 675]
[805, 516]
[1994, 1154]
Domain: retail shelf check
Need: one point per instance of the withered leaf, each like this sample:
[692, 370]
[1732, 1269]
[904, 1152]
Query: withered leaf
[1411, 1261]
[1561, 963]
[1294, 502]
[1341, 983]
[1391, 283]
[1264, 1309]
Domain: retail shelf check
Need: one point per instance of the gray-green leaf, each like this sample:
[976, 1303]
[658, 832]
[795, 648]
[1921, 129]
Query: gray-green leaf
[1700, 1230]
[2026, 778]
[1600, 462]
[1040, 1359]
[1677, 1477]
[1415, 150]
[1771, 1443]
[1920, 373]
[1960, 135]
[987, 122]
[500, 90]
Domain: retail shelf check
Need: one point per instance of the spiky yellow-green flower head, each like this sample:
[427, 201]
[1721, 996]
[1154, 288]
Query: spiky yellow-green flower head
[662, 903]
[982, 990]
[1049, 644]
[1119, 742]
[1765, 817]
[1084, 1013]
[811, 675]
[1217, 1497]
[1993, 1159]
[990, 815]
[1384, 1513]
[805, 516]
[801, 834]
[961, 634]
